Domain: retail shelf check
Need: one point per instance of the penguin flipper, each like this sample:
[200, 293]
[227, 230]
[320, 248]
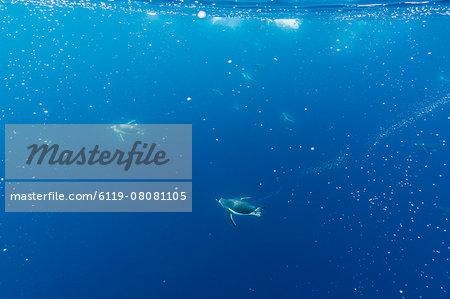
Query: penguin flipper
[231, 219]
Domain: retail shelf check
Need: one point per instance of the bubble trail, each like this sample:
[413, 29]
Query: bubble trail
[406, 122]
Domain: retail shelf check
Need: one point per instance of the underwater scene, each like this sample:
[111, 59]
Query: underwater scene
[320, 156]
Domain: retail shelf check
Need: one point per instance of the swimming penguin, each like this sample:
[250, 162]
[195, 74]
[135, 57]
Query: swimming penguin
[428, 149]
[287, 117]
[217, 92]
[130, 127]
[247, 77]
[445, 211]
[239, 206]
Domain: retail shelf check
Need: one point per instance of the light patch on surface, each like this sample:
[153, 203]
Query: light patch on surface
[227, 21]
[293, 24]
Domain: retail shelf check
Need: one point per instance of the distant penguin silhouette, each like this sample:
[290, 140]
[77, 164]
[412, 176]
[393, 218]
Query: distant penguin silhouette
[428, 149]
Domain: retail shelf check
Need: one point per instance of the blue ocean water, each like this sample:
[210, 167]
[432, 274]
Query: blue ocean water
[332, 114]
